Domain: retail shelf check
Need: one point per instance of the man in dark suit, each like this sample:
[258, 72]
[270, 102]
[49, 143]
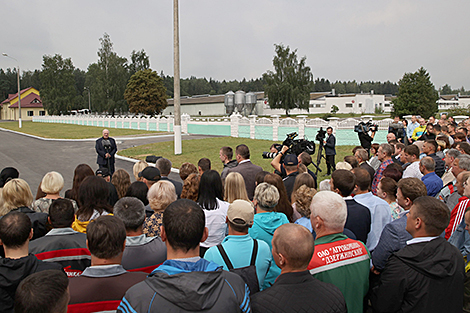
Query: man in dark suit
[362, 156]
[106, 149]
[164, 165]
[247, 169]
[330, 151]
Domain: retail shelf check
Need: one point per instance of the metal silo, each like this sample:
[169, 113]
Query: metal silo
[250, 102]
[240, 100]
[229, 102]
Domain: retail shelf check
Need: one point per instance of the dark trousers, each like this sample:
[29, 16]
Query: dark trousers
[330, 164]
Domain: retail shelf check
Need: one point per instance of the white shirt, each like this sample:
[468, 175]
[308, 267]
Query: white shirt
[420, 239]
[413, 171]
[215, 222]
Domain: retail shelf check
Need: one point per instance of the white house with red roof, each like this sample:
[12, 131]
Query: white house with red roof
[31, 105]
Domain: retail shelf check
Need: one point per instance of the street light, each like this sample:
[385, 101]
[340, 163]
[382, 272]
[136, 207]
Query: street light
[176, 79]
[19, 88]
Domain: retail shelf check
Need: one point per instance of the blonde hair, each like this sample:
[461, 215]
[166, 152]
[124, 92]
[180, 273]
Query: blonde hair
[52, 183]
[139, 167]
[267, 196]
[160, 195]
[121, 180]
[303, 198]
[343, 166]
[16, 193]
[235, 188]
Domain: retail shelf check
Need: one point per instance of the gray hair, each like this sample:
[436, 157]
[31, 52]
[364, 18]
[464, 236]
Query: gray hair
[387, 149]
[453, 153]
[164, 165]
[267, 196]
[464, 161]
[324, 185]
[331, 208]
[362, 153]
[131, 211]
[428, 163]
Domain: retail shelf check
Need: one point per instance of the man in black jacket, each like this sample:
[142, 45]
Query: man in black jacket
[330, 151]
[106, 149]
[428, 274]
[296, 290]
[430, 148]
[15, 233]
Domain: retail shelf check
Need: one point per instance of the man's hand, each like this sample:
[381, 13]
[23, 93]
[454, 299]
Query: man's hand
[107, 155]
[284, 149]
[276, 162]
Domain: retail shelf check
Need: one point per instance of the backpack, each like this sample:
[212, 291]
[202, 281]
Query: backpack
[248, 273]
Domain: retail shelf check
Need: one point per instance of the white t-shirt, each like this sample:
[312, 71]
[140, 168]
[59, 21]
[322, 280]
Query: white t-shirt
[215, 222]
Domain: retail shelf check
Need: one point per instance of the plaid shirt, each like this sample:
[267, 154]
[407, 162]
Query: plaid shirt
[379, 174]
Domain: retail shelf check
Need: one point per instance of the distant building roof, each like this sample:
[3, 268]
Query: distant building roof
[30, 101]
[14, 95]
[203, 99]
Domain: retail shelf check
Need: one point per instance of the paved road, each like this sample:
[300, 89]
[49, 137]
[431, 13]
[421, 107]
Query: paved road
[34, 157]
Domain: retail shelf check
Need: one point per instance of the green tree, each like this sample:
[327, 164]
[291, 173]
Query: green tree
[446, 90]
[58, 84]
[289, 86]
[146, 93]
[416, 95]
[139, 61]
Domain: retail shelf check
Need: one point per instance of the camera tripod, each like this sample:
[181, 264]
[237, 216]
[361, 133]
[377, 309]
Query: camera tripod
[320, 155]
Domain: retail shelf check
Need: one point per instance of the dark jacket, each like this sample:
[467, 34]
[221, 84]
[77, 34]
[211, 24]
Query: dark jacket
[369, 169]
[299, 292]
[177, 184]
[422, 277]
[64, 246]
[358, 220]
[38, 219]
[440, 164]
[13, 271]
[330, 145]
[248, 170]
[289, 182]
[101, 160]
[179, 286]
[229, 165]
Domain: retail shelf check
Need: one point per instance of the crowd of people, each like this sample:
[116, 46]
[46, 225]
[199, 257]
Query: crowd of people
[388, 232]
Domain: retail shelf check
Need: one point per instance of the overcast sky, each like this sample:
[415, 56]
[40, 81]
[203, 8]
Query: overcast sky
[342, 39]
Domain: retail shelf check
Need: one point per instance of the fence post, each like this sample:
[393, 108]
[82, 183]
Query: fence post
[301, 123]
[252, 126]
[275, 127]
[234, 121]
[184, 122]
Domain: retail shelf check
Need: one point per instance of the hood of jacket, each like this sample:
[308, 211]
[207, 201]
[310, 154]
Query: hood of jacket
[192, 286]
[431, 258]
[13, 271]
[269, 222]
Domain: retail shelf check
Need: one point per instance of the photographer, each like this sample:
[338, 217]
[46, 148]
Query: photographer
[397, 128]
[106, 149]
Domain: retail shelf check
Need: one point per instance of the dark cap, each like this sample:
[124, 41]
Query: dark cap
[150, 173]
[7, 174]
[102, 171]
[291, 159]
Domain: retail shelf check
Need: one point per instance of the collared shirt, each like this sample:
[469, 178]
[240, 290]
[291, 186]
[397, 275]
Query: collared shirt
[244, 161]
[104, 270]
[433, 183]
[62, 231]
[380, 216]
[420, 239]
[379, 174]
[412, 170]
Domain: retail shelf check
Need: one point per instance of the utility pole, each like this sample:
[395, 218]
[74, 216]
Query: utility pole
[19, 88]
[176, 78]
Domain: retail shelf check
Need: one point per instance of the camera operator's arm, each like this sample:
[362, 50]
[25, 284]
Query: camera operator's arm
[372, 134]
[276, 162]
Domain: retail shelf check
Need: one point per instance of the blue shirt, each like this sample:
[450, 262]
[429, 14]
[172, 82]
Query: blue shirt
[239, 250]
[410, 129]
[379, 214]
[433, 183]
[305, 222]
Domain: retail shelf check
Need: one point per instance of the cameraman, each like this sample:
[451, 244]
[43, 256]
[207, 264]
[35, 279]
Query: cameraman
[330, 151]
[106, 149]
[397, 128]
[364, 137]
[303, 158]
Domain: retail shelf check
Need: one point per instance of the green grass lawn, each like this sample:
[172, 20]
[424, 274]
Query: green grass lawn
[209, 148]
[69, 131]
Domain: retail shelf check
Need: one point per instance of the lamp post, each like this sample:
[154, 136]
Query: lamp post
[19, 88]
[89, 99]
[176, 79]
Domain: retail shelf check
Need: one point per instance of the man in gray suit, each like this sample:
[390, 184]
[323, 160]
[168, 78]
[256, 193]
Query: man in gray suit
[247, 169]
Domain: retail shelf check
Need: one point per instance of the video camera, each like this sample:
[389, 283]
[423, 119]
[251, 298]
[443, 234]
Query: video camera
[296, 146]
[366, 127]
[106, 145]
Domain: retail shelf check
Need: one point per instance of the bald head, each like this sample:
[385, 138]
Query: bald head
[295, 243]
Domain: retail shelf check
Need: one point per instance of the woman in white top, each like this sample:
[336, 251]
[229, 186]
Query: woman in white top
[215, 210]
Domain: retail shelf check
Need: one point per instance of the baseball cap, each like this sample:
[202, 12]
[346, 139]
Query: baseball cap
[241, 213]
[102, 171]
[150, 173]
[291, 159]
